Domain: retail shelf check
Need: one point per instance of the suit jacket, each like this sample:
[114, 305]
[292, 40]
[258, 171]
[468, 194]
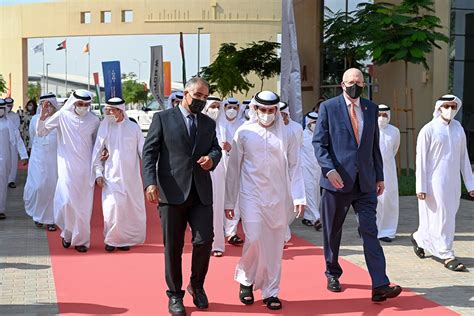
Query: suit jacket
[169, 160]
[336, 147]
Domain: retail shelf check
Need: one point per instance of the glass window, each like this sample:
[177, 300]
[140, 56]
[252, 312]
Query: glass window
[127, 16]
[105, 16]
[85, 17]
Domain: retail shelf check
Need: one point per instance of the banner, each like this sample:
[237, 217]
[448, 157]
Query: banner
[290, 80]
[112, 79]
[181, 46]
[156, 74]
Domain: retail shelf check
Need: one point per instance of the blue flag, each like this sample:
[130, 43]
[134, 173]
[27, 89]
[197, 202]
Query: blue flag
[112, 79]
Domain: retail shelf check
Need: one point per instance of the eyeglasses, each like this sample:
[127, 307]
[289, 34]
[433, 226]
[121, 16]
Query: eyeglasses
[351, 83]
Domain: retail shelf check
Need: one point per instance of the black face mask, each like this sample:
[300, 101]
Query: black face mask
[354, 91]
[197, 105]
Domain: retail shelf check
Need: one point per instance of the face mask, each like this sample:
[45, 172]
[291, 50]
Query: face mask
[81, 110]
[197, 105]
[383, 121]
[448, 114]
[110, 118]
[266, 119]
[354, 91]
[29, 108]
[2, 112]
[246, 114]
[231, 113]
[213, 113]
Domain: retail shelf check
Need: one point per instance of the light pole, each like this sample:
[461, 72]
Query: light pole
[47, 78]
[139, 67]
[199, 49]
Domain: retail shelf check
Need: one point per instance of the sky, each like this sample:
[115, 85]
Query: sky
[8, 2]
[130, 50]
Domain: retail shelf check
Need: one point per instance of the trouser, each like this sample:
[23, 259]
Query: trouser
[174, 219]
[334, 207]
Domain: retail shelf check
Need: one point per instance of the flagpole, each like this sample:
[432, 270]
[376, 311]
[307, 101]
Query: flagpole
[89, 66]
[65, 79]
[44, 83]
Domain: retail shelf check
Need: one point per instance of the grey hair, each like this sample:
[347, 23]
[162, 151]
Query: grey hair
[194, 81]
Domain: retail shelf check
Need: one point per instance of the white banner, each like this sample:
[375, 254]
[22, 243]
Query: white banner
[156, 74]
[290, 81]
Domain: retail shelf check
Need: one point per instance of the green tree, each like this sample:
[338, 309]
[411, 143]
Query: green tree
[224, 74]
[260, 58]
[405, 32]
[3, 84]
[132, 90]
[34, 91]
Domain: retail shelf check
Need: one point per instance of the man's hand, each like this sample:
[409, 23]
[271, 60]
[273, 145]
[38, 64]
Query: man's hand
[335, 179]
[24, 162]
[421, 195]
[152, 193]
[299, 210]
[100, 181]
[45, 111]
[226, 146]
[471, 193]
[380, 187]
[229, 213]
[104, 154]
[205, 162]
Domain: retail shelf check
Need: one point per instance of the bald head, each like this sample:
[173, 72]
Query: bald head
[353, 74]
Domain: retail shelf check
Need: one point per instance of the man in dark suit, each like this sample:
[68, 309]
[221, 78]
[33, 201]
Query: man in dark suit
[346, 143]
[179, 152]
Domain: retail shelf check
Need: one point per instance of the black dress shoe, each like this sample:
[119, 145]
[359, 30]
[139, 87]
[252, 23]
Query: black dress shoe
[81, 248]
[109, 248]
[66, 244]
[176, 306]
[124, 248]
[334, 285]
[12, 185]
[386, 239]
[318, 225]
[199, 297]
[381, 293]
[3, 216]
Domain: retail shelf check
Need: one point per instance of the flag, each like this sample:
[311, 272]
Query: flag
[290, 82]
[61, 45]
[38, 48]
[97, 90]
[85, 49]
[181, 46]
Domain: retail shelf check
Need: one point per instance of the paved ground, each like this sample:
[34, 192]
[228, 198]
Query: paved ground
[27, 284]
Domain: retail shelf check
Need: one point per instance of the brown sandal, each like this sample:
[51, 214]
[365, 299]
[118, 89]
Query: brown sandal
[217, 253]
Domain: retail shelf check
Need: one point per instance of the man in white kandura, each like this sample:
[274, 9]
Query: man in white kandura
[387, 206]
[231, 120]
[73, 199]
[10, 139]
[441, 156]
[214, 108]
[311, 175]
[42, 169]
[294, 135]
[261, 164]
[123, 201]
[14, 119]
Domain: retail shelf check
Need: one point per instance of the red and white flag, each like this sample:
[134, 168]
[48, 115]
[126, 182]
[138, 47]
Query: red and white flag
[61, 45]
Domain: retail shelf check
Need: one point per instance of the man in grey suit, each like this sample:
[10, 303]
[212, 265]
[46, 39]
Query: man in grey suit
[180, 150]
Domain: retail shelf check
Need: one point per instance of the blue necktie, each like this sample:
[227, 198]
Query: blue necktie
[192, 129]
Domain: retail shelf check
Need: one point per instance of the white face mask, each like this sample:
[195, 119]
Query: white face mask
[448, 114]
[266, 119]
[213, 113]
[29, 108]
[2, 112]
[231, 113]
[383, 121]
[82, 110]
[110, 118]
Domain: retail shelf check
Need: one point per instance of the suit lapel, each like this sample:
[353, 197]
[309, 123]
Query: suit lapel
[182, 127]
[345, 116]
[365, 111]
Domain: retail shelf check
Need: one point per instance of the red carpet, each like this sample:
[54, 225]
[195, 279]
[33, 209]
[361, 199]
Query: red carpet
[100, 283]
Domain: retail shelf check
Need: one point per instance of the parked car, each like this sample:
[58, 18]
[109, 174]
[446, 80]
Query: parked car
[144, 116]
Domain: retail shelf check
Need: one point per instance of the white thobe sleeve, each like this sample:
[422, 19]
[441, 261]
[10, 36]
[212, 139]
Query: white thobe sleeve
[232, 179]
[140, 143]
[32, 130]
[466, 169]
[97, 164]
[43, 128]
[20, 145]
[422, 147]
[396, 142]
[295, 171]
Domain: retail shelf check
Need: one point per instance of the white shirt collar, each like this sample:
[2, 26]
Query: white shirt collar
[349, 102]
[185, 112]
